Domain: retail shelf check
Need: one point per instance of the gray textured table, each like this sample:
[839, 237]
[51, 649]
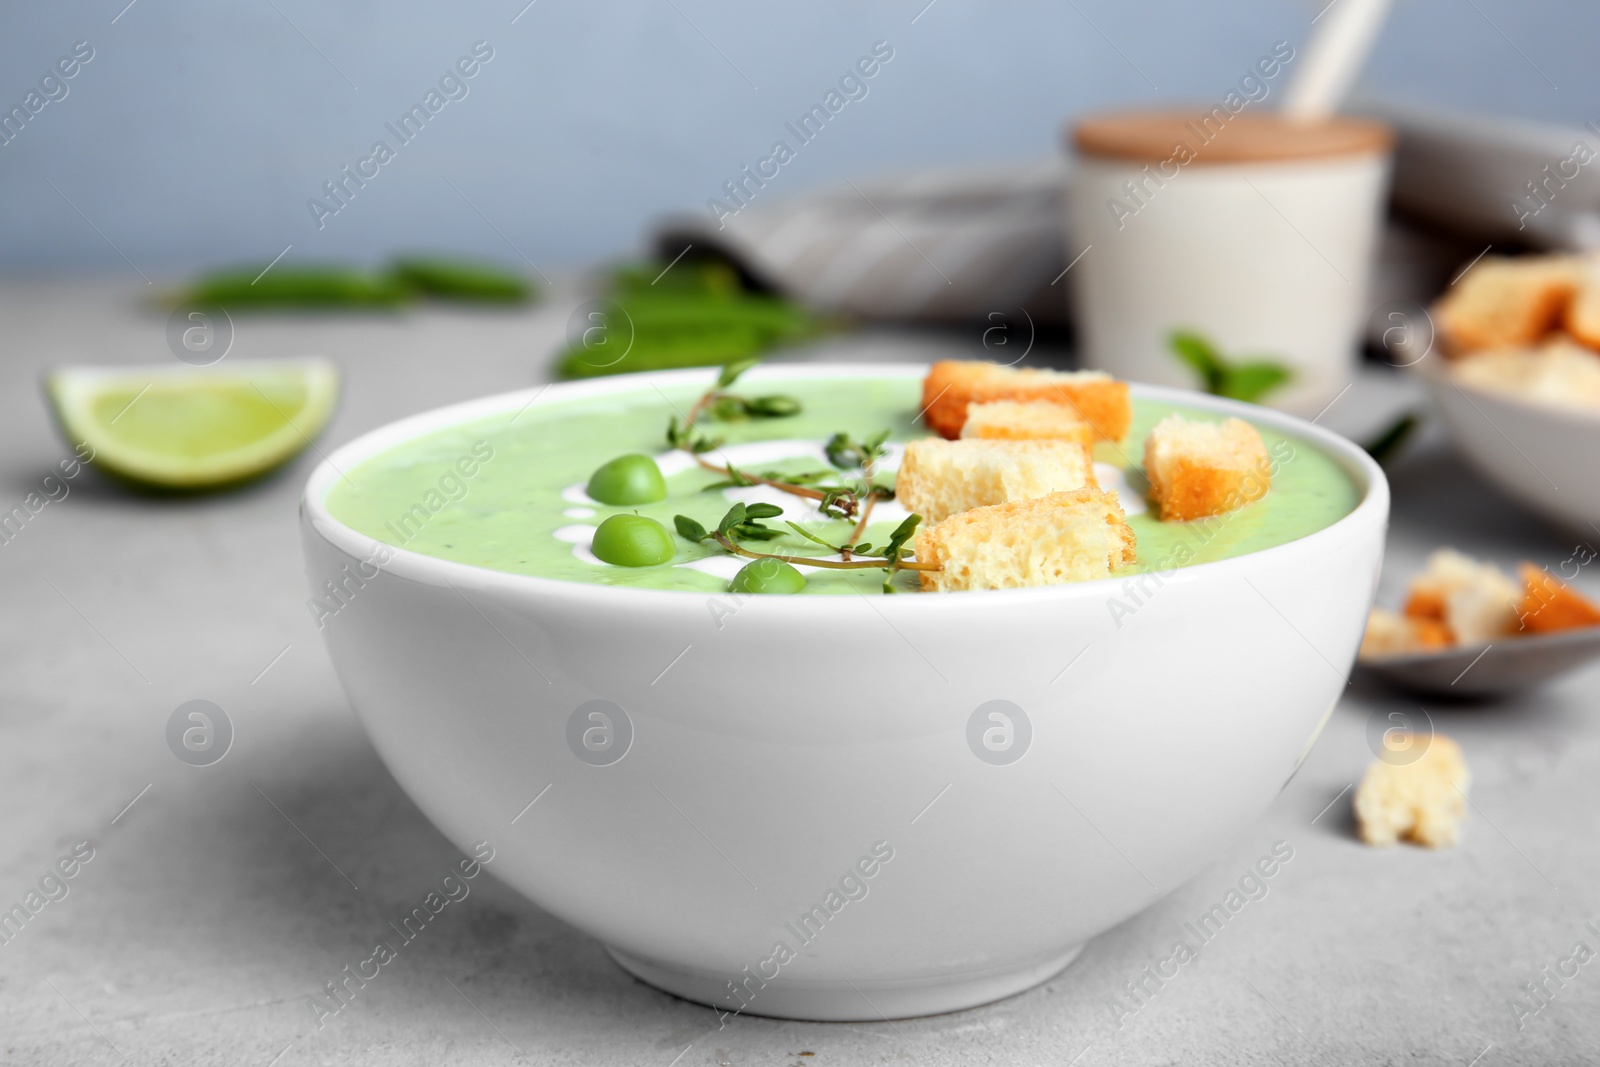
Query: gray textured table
[219, 898]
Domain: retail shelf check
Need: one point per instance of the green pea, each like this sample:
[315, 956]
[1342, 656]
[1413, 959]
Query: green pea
[772, 407]
[727, 409]
[632, 541]
[767, 576]
[630, 479]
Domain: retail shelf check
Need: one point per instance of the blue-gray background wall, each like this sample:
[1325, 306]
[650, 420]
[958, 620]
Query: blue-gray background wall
[201, 127]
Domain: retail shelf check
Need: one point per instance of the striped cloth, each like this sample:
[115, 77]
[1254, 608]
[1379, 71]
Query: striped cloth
[963, 245]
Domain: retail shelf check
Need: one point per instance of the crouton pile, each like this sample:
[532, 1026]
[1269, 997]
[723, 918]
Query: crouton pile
[1064, 537]
[940, 478]
[1528, 325]
[1458, 600]
[1008, 493]
[1557, 373]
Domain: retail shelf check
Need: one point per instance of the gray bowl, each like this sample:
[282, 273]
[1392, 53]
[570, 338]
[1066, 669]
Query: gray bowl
[1498, 669]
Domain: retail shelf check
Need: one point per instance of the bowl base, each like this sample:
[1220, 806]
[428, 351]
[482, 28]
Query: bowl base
[845, 1001]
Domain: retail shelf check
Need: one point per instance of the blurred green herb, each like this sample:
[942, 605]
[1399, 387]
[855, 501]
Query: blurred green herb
[1387, 444]
[1247, 380]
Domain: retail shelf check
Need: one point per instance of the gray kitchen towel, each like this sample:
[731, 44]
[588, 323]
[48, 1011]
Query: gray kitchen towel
[939, 245]
[958, 245]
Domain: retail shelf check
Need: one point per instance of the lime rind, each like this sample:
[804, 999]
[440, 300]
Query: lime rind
[200, 428]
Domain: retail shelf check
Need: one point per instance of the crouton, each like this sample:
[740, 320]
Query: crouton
[1558, 372]
[938, 478]
[1503, 303]
[1549, 605]
[1026, 420]
[1582, 319]
[1420, 798]
[1389, 634]
[952, 385]
[1197, 469]
[1064, 537]
[1477, 602]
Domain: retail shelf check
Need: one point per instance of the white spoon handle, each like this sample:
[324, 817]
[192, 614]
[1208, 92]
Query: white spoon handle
[1341, 38]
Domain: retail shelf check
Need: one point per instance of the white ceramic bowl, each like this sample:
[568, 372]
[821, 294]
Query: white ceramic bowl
[1543, 456]
[771, 749]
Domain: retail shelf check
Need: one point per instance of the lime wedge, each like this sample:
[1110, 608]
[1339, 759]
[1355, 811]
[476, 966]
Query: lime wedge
[192, 428]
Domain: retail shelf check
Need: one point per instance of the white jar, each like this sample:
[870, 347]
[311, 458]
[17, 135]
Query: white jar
[1254, 232]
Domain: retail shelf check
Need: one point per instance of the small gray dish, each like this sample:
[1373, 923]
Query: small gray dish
[1492, 670]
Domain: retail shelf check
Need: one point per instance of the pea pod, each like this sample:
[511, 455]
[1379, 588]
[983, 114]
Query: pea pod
[666, 311]
[710, 277]
[459, 279]
[706, 348]
[297, 287]
[689, 313]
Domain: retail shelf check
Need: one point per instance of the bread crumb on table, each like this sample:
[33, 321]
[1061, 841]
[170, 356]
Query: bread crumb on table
[1412, 795]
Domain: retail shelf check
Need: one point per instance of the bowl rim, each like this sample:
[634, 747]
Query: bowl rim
[1443, 376]
[1577, 635]
[1361, 468]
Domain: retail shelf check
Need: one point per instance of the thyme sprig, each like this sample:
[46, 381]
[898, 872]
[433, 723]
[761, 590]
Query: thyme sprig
[851, 501]
[846, 453]
[719, 404]
[743, 523]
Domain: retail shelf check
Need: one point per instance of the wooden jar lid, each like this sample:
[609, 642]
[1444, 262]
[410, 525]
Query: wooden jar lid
[1216, 136]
